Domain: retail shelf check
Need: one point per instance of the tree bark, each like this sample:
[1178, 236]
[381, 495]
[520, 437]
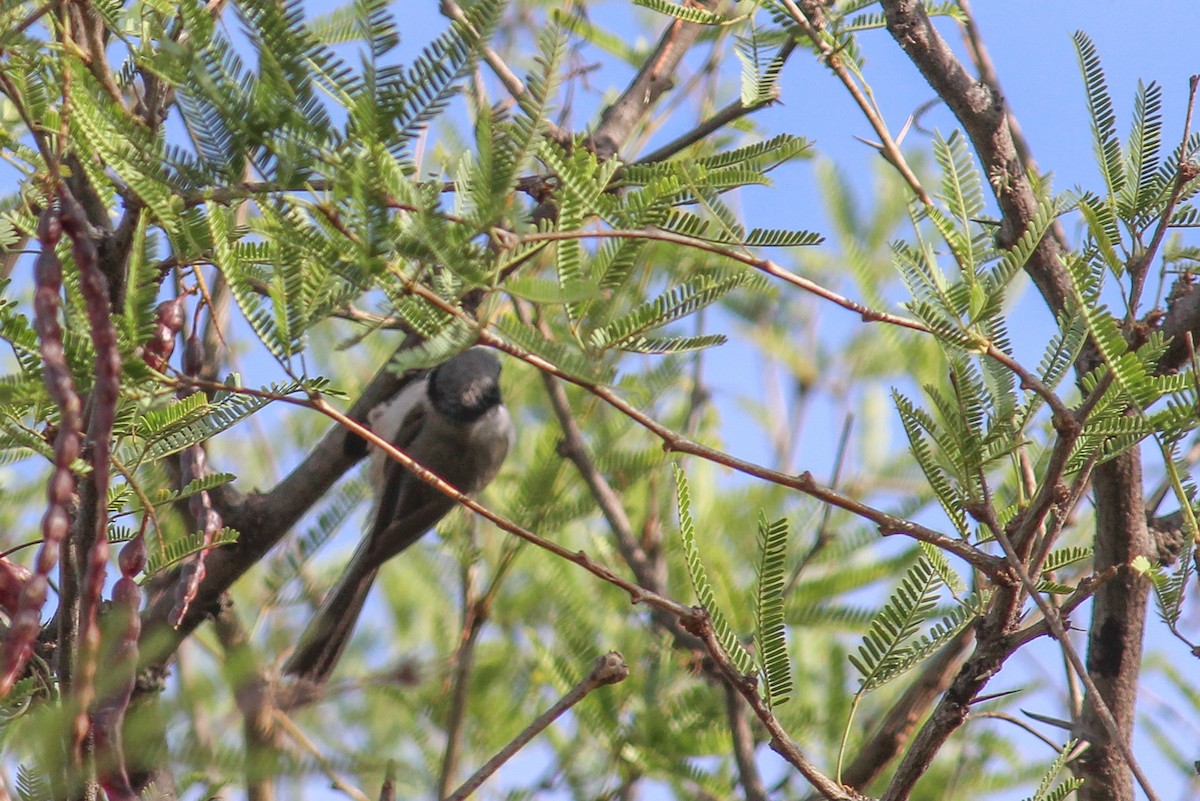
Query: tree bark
[1117, 626]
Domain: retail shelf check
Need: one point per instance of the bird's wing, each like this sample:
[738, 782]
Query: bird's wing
[396, 479]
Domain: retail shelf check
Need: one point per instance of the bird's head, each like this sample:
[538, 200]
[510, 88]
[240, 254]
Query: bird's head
[466, 387]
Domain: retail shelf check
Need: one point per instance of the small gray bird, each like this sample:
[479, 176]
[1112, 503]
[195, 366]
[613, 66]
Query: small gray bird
[451, 422]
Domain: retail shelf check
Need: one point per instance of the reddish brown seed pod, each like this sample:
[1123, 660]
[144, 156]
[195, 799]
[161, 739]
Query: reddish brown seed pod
[132, 558]
[169, 322]
[13, 578]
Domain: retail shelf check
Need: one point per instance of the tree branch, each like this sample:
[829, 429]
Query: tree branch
[1116, 631]
[609, 669]
[900, 721]
[262, 519]
[981, 111]
[255, 700]
[656, 76]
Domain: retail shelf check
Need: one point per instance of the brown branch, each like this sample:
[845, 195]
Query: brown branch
[888, 524]
[92, 50]
[1116, 636]
[730, 113]
[982, 113]
[700, 624]
[1105, 729]
[575, 449]
[1116, 631]
[101, 409]
[609, 669]
[987, 74]
[655, 77]
[255, 700]
[901, 719]
[742, 740]
[387, 792]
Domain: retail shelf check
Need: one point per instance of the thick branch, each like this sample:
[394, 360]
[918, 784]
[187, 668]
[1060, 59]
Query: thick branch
[656, 76]
[993, 647]
[1118, 619]
[898, 725]
[982, 112]
[255, 701]
[262, 519]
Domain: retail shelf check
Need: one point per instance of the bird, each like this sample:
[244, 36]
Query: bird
[452, 422]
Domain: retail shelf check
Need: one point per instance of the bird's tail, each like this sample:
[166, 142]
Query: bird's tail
[327, 634]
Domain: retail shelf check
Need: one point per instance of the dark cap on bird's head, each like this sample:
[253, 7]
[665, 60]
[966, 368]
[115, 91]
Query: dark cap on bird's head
[466, 387]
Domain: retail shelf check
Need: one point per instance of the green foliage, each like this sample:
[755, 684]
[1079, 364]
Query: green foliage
[1047, 790]
[198, 418]
[700, 583]
[194, 487]
[1062, 557]
[171, 552]
[687, 13]
[863, 22]
[682, 301]
[892, 645]
[774, 665]
[760, 69]
[32, 785]
[319, 193]
[1104, 126]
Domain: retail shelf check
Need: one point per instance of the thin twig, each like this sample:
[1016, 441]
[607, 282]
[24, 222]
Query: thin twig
[982, 114]
[730, 113]
[511, 81]
[888, 147]
[1027, 379]
[987, 74]
[609, 669]
[895, 730]
[781, 742]
[1016, 721]
[30, 18]
[327, 767]
[743, 745]
[822, 537]
[1054, 622]
[652, 80]
[474, 615]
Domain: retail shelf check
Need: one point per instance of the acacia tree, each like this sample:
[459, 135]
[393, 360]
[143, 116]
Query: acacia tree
[286, 197]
